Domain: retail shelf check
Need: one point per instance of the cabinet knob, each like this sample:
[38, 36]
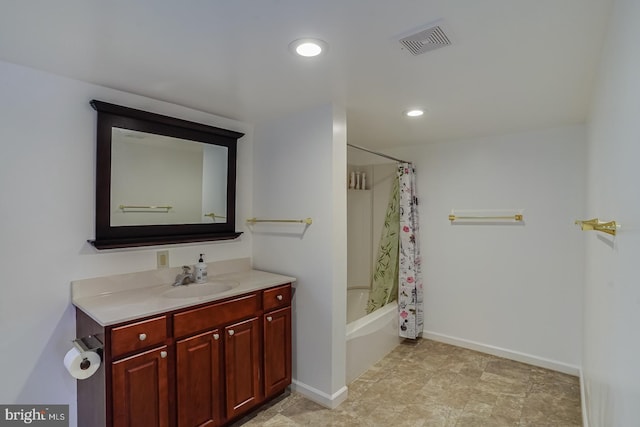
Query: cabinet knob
[269, 318]
[231, 332]
[216, 336]
[163, 354]
[142, 337]
[279, 297]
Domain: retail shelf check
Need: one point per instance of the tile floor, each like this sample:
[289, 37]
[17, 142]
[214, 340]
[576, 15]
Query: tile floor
[427, 383]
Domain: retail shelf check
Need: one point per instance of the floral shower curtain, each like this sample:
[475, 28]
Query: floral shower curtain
[410, 275]
[397, 271]
[385, 276]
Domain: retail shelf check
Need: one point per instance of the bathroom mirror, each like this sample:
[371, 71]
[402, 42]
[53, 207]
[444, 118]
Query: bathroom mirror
[162, 180]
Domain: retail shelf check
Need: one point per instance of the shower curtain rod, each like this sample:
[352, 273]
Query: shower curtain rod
[377, 154]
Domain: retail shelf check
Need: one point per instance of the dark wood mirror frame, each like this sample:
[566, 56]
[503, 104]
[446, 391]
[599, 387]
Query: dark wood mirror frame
[107, 236]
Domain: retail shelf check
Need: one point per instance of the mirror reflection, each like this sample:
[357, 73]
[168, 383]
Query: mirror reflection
[162, 180]
[159, 179]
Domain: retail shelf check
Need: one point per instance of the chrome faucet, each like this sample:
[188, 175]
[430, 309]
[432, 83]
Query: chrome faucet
[185, 277]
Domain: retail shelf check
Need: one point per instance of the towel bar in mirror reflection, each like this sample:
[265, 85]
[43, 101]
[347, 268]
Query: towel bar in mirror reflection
[141, 208]
[213, 216]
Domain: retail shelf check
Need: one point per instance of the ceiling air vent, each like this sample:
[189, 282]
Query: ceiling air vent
[426, 40]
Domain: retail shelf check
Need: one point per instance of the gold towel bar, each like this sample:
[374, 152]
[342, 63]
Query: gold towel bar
[125, 207]
[214, 216]
[595, 224]
[516, 217]
[307, 221]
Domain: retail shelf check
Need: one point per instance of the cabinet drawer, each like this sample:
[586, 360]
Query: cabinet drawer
[277, 297]
[139, 335]
[199, 319]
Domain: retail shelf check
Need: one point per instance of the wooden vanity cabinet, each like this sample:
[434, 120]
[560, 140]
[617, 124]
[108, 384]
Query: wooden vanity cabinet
[199, 380]
[200, 366]
[242, 366]
[139, 381]
[277, 351]
[277, 339]
[140, 390]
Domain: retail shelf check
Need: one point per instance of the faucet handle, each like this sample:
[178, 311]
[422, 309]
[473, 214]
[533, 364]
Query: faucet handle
[186, 269]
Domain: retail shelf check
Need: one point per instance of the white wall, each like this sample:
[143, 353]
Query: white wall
[366, 211]
[47, 176]
[299, 172]
[514, 289]
[611, 365]
[359, 238]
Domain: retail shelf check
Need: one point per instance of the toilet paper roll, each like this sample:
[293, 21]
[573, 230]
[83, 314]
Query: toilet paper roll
[81, 365]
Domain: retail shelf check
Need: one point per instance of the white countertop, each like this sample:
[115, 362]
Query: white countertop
[109, 308]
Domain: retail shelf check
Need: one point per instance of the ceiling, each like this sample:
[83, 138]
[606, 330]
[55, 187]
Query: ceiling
[514, 65]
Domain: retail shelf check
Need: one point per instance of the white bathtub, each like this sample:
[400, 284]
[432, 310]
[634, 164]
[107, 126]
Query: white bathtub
[370, 337]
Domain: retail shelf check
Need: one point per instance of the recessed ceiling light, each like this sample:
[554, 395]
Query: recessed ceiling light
[308, 47]
[414, 113]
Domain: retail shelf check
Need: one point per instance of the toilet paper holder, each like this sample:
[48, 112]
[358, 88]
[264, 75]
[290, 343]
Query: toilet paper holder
[89, 343]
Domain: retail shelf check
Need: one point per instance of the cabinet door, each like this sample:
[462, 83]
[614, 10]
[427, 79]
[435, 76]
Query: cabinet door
[140, 390]
[198, 380]
[242, 363]
[277, 351]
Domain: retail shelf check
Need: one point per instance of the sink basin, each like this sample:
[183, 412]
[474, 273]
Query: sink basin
[200, 289]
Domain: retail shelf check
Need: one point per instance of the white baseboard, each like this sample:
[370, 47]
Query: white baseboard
[507, 354]
[583, 401]
[320, 397]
